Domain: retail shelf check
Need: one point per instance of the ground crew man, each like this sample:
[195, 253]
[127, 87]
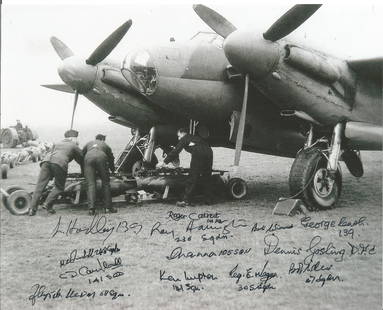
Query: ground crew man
[55, 165]
[200, 165]
[98, 160]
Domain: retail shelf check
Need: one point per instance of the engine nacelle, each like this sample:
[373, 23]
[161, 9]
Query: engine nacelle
[311, 63]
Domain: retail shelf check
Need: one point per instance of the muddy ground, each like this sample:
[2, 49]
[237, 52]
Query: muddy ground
[230, 255]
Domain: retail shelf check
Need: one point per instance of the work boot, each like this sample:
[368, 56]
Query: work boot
[183, 204]
[50, 210]
[112, 210]
[32, 211]
[208, 201]
[92, 212]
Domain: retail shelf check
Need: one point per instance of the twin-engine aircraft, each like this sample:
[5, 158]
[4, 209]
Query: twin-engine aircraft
[244, 90]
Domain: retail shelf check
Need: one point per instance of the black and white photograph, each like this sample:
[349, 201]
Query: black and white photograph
[191, 155]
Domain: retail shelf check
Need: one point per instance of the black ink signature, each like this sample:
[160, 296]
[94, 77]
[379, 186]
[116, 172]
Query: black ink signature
[179, 253]
[88, 253]
[86, 271]
[315, 248]
[98, 225]
[271, 247]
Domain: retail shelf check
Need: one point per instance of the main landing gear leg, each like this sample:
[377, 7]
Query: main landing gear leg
[315, 176]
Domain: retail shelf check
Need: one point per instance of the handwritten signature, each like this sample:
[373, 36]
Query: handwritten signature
[98, 225]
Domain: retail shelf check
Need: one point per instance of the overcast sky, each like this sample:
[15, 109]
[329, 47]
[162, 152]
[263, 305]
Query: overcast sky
[345, 29]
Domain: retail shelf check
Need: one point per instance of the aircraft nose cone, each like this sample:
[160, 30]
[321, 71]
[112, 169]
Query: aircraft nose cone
[77, 74]
[250, 53]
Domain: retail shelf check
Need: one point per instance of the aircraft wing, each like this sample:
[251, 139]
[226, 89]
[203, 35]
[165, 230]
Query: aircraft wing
[60, 87]
[370, 68]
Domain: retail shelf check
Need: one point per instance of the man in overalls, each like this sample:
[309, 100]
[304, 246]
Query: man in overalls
[200, 165]
[55, 166]
[98, 160]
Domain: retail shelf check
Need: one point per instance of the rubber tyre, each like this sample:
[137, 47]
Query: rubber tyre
[305, 171]
[237, 188]
[9, 138]
[4, 171]
[19, 202]
[10, 190]
[4, 200]
[13, 188]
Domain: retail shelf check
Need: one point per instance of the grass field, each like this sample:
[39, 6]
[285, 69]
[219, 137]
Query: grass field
[230, 255]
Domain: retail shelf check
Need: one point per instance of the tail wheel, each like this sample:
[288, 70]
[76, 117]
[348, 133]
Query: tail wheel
[311, 181]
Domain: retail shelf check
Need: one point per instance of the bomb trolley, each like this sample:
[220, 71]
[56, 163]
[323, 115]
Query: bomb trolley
[170, 182]
[157, 184]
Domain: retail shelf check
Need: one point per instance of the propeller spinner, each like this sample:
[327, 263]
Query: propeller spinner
[80, 74]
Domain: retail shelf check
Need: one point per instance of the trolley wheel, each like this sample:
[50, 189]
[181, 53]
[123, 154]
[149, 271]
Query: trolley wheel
[19, 202]
[9, 137]
[237, 188]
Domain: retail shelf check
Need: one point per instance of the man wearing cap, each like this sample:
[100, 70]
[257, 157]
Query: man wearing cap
[55, 166]
[98, 160]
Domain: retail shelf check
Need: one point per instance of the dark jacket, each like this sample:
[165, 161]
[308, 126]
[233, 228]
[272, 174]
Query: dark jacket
[63, 153]
[196, 146]
[98, 147]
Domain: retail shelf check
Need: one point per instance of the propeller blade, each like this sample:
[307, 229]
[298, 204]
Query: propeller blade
[61, 49]
[104, 49]
[74, 108]
[60, 87]
[214, 20]
[241, 126]
[290, 21]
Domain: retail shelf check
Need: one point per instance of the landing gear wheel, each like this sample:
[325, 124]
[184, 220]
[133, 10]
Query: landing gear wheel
[19, 202]
[237, 188]
[311, 181]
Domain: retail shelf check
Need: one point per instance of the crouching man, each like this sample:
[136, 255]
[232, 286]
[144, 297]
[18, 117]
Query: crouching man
[98, 160]
[55, 166]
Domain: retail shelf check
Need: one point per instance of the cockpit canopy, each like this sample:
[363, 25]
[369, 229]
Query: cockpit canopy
[138, 69]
